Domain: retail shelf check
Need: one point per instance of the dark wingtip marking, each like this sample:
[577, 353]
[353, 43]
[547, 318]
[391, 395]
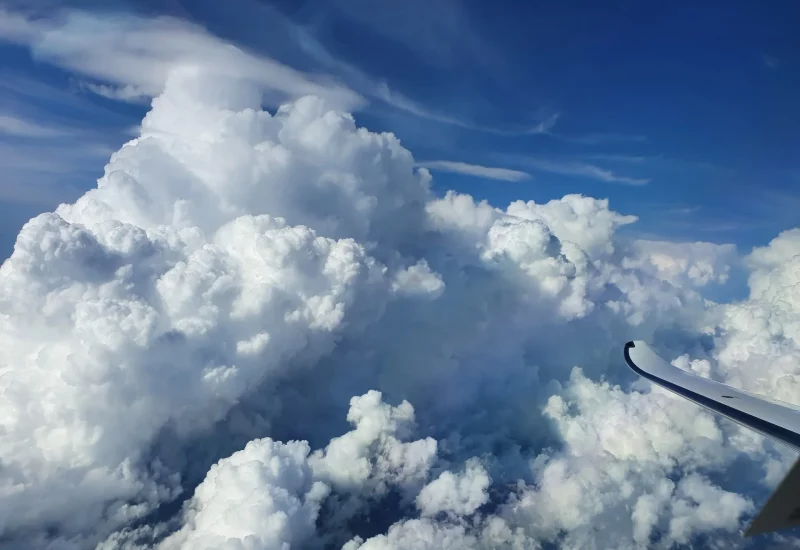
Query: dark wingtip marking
[727, 397]
[628, 360]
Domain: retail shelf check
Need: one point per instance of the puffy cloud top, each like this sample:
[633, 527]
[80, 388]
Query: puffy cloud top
[262, 496]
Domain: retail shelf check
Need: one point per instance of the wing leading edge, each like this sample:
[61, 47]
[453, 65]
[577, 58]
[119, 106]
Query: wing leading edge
[780, 422]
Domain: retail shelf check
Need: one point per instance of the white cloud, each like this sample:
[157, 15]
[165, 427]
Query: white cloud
[441, 34]
[418, 535]
[628, 159]
[373, 87]
[245, 276]
[598, 138]
[546, 124]
[147, 285]
[771, 61]
[418, 280]
[459, 494]
[765, 330]
[47, 174]
[14, 126]
[128, 93]
[503, 174]
[614, 471]
[131, 57]
[682, 264]
[400, 101]
[582, 169]
[584, 221]
[263, 496]
[372, 457]
[20, 92]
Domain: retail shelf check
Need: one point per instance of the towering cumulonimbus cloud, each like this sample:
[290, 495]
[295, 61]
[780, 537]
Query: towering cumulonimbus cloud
[182, 349]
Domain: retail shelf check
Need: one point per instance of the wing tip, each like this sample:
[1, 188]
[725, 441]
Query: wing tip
[764, 522]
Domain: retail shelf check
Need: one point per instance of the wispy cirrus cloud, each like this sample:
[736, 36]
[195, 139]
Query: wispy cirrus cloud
[599, 138]
[582, 169]
[64, 101]
[129, 59]
[306, 39]
[400, 101]
[503, 174]
[684, 210]
[13, 125]
[44, 175]
[51, 141]
[657, 161]
[614, 157]
[125, 56]
[771, 61]
[440, 33]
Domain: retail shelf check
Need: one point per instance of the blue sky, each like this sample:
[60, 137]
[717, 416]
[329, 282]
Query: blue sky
[682, 113]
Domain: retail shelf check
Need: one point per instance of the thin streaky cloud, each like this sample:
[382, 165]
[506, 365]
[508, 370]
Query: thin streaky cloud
[400, 101]
[58, 158]
[664, 207]
[771, 61]
[382, 91]
[43, 175]
[43, 192]
[545, 125]
[12, 125]
[591, 171]
[709, 226]
[685, 210]
[127, 93]
[307, 41]
[439, 34]
[631, 159]
[503, 174]
[658, 161]
[18, 92]
[129, 53]
[599, 138]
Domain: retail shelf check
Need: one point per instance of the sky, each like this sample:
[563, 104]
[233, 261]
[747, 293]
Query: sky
[358, 275]
[682, 114]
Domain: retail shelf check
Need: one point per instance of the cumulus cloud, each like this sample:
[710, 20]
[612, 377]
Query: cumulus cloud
[614, 471]
[371, 456]
[760, 349]
[263, 496]
[475, 170]
[263, 329]
[461, 494]
[695, 264]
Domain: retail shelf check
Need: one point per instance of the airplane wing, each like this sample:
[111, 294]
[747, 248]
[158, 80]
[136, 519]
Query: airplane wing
[779, 421]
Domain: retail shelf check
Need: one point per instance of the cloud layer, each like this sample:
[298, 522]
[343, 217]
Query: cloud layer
[263, 330]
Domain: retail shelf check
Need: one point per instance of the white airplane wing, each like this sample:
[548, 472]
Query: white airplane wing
[779, 421]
